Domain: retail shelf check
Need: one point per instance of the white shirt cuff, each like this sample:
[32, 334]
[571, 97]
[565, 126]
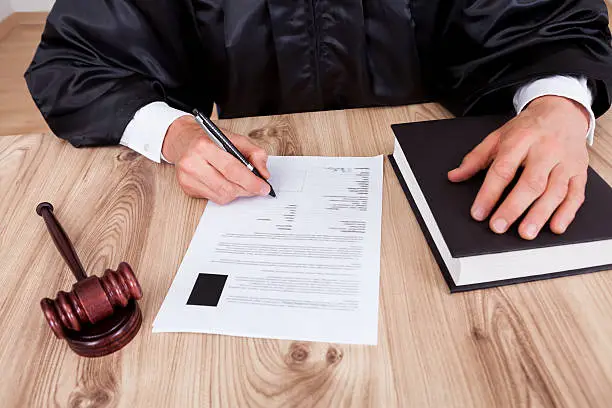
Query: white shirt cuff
[146, 132]
[572, 88]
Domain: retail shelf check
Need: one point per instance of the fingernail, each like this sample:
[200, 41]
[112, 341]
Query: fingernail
[500, 225]
[265, 190]
[478, 213]
[531, 231]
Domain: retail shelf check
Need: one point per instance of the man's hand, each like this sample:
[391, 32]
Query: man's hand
[204, 170]
[549, 140]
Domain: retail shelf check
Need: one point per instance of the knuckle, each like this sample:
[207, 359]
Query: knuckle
[471, 157]
[231, 169]
[496, 134]
[201, 143]
[579, 181]
[560, 192]
[234, 192]
[188, 191]
[228, 193]
[182, 165]
[510, 209]
[223, 200]
[224, 163]
[202, 146]
[503, 170]
[185, 185]
[234, 168]
[186, 165]
[536, 184]
[562, 171]
[524, 134]
[184, 180]
[260, 153]
[222, 197]
[181, 178]
[217, 199]
[578, 197]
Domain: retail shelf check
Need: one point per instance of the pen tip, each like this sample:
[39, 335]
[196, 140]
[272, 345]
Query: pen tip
[272, 193]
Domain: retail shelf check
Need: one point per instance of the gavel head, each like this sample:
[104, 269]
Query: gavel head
[91, 300]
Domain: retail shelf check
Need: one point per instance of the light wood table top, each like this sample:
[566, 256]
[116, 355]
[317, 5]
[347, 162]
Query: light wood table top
[545, 343]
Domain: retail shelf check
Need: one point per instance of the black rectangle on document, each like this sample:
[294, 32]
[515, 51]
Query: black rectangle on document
[207, 290]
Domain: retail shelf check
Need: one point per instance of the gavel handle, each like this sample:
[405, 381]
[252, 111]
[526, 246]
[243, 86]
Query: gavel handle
[61, 240]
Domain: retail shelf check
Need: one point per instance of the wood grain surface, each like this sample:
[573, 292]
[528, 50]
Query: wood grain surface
[19, 36]
[538, 344]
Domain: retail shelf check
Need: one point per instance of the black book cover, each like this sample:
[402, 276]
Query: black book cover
[433, 148]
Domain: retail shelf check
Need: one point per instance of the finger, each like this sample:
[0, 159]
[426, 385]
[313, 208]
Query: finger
[478, 159]
[194, 173]
[530, 187]
[573, 201]
[545, 206]
[236, 172]
[256, 155]
[196, 189]
[193, 187]
[499, 175]
[225, 190]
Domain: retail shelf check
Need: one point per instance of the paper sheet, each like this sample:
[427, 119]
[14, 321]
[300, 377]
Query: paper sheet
[302, 266]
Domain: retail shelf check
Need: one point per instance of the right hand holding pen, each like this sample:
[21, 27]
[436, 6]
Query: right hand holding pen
[204, 170]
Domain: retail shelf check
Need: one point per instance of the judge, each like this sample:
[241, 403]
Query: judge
[126, 72]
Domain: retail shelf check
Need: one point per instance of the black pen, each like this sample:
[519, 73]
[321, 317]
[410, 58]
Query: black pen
[222, 141]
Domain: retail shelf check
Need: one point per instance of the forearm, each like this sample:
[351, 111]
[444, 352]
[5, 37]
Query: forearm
[89, 77]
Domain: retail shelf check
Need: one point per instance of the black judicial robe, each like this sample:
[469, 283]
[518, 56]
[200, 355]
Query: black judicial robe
[100, 61]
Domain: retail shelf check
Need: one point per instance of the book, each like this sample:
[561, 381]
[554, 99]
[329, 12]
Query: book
[468, 253]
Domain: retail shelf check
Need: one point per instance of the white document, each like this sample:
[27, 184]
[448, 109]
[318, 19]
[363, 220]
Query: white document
[302, 266]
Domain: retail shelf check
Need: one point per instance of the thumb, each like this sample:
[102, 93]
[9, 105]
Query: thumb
[478, 159]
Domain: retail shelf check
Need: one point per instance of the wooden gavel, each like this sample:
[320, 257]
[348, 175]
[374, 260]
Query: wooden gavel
[99, 315]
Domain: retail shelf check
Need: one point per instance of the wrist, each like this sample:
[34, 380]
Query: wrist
[563, 106]
[562, 110]
[178, 137]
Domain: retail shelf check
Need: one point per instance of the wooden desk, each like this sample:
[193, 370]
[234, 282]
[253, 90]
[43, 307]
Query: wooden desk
[539, 344]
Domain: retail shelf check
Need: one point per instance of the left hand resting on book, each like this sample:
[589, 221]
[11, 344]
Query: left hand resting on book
[548, 140]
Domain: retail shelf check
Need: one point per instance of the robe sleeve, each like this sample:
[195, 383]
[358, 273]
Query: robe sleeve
[98, 62]
[479, 52]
